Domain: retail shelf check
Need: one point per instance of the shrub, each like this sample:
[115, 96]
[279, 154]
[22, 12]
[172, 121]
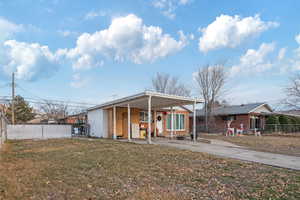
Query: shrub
[272, 119]
[285, 122]
[283, 119]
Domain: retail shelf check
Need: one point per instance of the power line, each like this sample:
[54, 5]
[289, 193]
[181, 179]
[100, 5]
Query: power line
[55, 100]
[43, 102]
[5, 85]
[43, 99]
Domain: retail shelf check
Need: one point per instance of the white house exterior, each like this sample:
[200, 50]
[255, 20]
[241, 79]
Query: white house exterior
[121, 117]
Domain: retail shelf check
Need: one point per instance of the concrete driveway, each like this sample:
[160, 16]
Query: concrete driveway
[232, 151]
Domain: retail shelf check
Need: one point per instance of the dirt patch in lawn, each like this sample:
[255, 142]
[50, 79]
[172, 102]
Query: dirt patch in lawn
[104, 169]
[274, 144]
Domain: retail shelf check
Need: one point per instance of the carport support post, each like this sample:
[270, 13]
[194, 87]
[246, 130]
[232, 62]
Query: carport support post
[194, 121]
[172, 122]
[129, 130]
[114, 123]
[154, 121]
[149, 120]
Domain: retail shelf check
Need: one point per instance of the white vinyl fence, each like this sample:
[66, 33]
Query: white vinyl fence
[38, 131]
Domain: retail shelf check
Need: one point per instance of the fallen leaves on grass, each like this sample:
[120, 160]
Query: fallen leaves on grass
[105, 169]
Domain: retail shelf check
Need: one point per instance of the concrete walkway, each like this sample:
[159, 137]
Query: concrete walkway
[228, 151]
[221, 142]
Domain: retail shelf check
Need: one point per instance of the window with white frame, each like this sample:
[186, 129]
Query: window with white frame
[143, 116]
[178, 123]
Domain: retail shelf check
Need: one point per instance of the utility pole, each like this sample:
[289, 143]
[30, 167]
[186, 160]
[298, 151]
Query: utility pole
[13, 99]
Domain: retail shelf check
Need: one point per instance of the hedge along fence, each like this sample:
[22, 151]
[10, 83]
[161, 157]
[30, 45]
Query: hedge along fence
[282, 128]
[3, 129]
[283, 124]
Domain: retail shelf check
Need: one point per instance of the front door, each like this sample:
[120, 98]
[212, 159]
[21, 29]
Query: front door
[159, 123]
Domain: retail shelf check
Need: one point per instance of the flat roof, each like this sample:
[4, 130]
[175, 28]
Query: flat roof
[140, 100]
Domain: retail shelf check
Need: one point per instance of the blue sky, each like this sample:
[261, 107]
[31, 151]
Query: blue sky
[91, 50]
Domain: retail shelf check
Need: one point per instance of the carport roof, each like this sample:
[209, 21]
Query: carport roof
[158, 101]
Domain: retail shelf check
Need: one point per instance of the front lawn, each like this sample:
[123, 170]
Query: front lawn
[104, 169]
[289, 145]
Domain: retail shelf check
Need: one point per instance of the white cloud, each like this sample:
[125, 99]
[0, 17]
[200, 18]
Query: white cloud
[281, 53]
[78, 81]
[231, 31]
[184, 2]
[290, 64]
[297, 51]
[7, 29]
[192, 36]
[30, 61]
[254, 61]
[293, 64]
[93, 14]
[297, 38]
[67, 33]
[168, 7]
[127, 38]
[87, 61]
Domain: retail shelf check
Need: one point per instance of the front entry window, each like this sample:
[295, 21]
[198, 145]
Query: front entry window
[143, 116]
[178, 123]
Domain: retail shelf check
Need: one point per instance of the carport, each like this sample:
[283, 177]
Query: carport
[151, 102]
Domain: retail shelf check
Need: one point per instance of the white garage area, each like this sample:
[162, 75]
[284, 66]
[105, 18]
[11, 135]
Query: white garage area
[97, 119]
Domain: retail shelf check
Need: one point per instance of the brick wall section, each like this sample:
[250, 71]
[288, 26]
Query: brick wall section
[221, 124]
[241, 119]
[186, 130]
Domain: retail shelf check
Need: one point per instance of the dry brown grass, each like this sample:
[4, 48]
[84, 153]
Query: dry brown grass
[275, 144]
[104, 169]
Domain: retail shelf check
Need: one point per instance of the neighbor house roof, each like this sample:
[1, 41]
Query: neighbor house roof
[140, 100]
[235, 109]
[291, 112]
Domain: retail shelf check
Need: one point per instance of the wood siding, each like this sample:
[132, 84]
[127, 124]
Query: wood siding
[122, 127]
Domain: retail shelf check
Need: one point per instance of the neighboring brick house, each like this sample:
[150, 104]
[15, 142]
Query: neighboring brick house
[80, 118]
[251, 116]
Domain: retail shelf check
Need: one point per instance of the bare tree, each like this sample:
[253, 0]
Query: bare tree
[54, 110]
[164, 83]
[292, 99]
[210, 82]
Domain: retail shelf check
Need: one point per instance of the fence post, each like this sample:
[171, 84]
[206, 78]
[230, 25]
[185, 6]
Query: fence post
[275, 128]
[1, 132]
[3, 127]
[42, 131]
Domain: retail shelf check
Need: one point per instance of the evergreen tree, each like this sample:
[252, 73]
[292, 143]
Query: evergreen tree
[23, 111]
[272, 119]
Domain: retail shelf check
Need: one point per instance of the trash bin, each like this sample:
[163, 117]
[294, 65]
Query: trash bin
[192, 136]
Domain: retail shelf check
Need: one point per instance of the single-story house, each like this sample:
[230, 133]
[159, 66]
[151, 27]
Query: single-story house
[144, 115]
[248, 116]
[42, 119]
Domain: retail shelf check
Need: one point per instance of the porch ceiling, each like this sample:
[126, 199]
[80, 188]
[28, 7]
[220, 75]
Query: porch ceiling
[158, 101]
